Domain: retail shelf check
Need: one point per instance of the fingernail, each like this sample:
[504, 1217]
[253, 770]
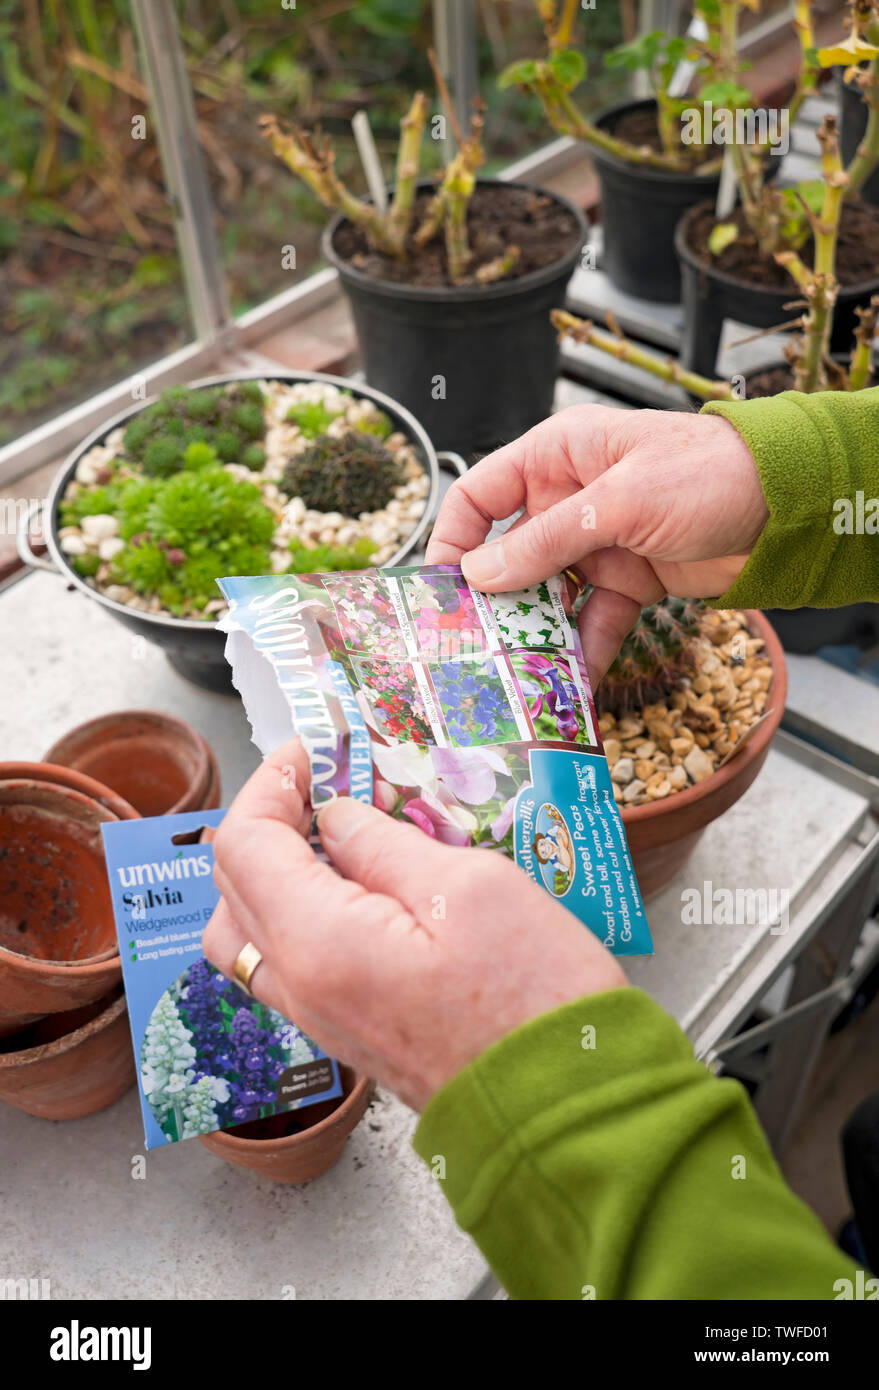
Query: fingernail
[339, 819]
[485, 563]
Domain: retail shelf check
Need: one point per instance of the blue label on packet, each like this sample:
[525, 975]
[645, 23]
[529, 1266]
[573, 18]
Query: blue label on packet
[569, 839]
[207, 1055]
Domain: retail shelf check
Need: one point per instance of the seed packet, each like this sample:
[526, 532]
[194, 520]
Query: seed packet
[467, 714]
[207, 1055]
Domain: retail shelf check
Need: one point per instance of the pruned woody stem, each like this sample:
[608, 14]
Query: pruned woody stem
[312, 158]
[617, 345]
[808, 350]
[566, 117]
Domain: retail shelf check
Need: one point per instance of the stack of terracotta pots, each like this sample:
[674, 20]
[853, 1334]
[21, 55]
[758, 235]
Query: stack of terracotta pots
[65, 1048]
[65, 1045]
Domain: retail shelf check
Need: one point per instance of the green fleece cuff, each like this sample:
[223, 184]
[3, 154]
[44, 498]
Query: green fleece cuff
[493, 1112]
[589, 1155]
[815, 454]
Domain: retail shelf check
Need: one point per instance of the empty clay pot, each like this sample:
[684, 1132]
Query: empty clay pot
[58, 947]
[662, 834]
[279, 1148]
[156, 762]
[66, 777]
[69, 1064]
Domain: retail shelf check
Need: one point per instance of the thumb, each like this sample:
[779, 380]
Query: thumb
[545, 544]
[382, 854]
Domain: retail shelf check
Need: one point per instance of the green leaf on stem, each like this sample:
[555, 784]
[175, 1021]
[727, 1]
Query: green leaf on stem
[568, 67]
[721, 236]
[520, 74]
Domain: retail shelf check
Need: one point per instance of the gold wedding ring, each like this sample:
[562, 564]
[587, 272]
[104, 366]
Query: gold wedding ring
[246, 963]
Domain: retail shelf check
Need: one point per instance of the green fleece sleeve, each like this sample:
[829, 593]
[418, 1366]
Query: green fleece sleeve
[611, 1164]
[818, 460]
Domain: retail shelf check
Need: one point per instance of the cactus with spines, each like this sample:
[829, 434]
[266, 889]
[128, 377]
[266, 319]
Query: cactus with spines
[653, 658]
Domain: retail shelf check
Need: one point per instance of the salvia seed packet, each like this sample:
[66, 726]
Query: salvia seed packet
[208, 1056]
[467, 714]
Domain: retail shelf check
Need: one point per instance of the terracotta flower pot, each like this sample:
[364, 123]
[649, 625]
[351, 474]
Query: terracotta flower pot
[69, 1064]
[156, 762]
[663, 834]
[66, 777]
[58, 947]
[276, 1149]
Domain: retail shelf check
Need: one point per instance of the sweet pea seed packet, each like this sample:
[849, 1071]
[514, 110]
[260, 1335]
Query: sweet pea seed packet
[466, 714]
[207, 1055]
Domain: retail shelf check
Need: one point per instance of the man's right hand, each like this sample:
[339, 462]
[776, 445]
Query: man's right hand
[639, 503]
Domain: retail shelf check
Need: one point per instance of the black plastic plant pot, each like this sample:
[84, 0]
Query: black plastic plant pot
[640, 208]
[710, 296]
[852, 126]
[477, 364]
[196, 648]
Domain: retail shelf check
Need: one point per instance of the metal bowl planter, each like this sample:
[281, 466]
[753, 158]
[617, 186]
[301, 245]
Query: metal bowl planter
[193, 647]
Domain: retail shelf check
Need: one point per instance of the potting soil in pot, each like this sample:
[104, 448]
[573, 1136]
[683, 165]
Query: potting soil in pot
[469, 715]
[208, 1055]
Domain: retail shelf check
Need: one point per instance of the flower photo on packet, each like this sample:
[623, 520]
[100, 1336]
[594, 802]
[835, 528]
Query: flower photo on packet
[213, 1057]
[474, 703]
[531, 618]
[444, 615]
[551, 695]
[208, 1055]
[367, 619]
[392, 692]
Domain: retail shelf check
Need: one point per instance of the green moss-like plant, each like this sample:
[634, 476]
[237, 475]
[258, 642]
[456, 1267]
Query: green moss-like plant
[351, 474]
[229, 420]
[185, 531]
[653, 658]
[323, 558]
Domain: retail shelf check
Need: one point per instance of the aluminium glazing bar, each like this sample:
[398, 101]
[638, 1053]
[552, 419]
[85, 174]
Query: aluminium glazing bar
[172, 112]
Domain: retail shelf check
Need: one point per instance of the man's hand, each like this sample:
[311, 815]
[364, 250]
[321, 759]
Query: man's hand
[640, 503]
[408, 962]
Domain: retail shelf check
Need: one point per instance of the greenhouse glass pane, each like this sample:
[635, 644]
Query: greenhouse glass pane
[316, 65]
[90, 284]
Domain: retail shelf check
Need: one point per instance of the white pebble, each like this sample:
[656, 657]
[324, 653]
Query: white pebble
[74, 545]
[108, 549]
[100, 527]
[86, 472]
